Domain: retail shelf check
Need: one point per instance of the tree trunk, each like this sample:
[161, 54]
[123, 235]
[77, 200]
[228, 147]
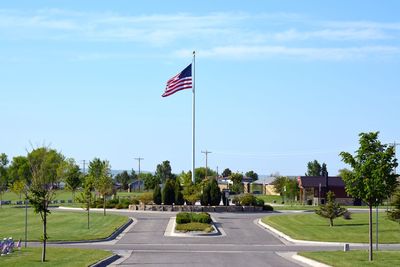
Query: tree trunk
[88, 210]
[330, 222]
[370, 258]
[44, 236]
[104, 206]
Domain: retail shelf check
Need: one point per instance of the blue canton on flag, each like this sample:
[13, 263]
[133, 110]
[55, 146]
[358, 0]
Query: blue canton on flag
[181, 81]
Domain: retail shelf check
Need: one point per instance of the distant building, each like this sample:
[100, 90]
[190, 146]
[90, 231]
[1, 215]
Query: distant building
[136, 186]
[313, 189]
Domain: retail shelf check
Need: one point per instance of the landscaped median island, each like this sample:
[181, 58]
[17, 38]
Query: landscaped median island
[312, 227]
[355, 258]
[62, 226]
[60, 257]
[193, 222]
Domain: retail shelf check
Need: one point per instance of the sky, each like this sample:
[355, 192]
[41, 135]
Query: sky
[278, 83]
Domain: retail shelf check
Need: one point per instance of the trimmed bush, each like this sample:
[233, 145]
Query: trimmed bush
[268, 207]
[146, 198]
[187, 217]
[194, 226]
[134, 201]
[183, 217]
[168, 192]
[157, 195]
[247, 200]
[259, 202]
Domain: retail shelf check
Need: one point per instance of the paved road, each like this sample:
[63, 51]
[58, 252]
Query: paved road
[245, 244]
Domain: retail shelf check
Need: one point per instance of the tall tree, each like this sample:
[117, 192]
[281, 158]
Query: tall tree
[157, 195]
[100, 170]
[3, 175]
[253, 175]
[124, 179]
[200, 174]
[372, 178]
[215, 193]
[150, 180]
[168, 192]
[226, 173]
[43, 163]
[178, 194]
[19, 170]
[71, 174]
[163, 171]
[314, 168]
[185, 178]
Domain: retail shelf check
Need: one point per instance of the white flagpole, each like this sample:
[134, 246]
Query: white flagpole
[193, 119]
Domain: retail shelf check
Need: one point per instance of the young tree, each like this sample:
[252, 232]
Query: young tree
[185, 178]
[226, 173]
[86, 195]
[43, 163]
[100, 170]
[331, 209]
[253, 175]
[372, 178]
[3, 176]
[157, 195]
[70, 173]
[18, 187]
[191, 194]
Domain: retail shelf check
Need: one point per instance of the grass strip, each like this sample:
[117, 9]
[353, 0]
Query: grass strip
[194, 226]
[354, 258]
[315, 228]
[60, 257]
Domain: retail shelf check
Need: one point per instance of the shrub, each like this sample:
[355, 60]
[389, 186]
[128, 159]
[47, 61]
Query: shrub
[146, 198]
[178, 194]
[194, 226]
[202, 217]
[236, 200]
[183, 217]
[347, 215]
[134, 201]
[259, 202]
[168, 194]
[268, 208]
[215, 193]
[119, 206]
[205, 196]
[248, 200]
[157, 195]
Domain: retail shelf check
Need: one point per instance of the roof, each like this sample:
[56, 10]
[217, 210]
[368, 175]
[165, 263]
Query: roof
[315, 181]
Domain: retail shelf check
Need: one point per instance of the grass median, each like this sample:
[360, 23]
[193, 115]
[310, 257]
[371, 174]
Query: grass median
[61, 225]
[315, 228]
[60, 257]
[355, 258]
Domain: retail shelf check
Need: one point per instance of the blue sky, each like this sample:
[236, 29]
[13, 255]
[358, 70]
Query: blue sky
[279, 83]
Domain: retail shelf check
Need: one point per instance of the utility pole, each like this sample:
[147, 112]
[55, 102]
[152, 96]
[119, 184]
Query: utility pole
[394, 145]
[206, 153]
[139, 159]
[84, 165]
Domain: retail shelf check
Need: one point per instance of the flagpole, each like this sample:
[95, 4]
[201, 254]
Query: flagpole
[193, 118]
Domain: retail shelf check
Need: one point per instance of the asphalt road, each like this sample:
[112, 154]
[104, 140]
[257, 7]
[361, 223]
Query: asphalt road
[245, 243]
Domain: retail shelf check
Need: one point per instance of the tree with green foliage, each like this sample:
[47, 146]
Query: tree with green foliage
[168, 192]
[226, 173]
[200, 174]
[331, 209]
[394, 214]
[205, 196]
[157, 195]
[314, 168]
[185, 178]
[19, 170]
[163, 171]
[253, 175]
[85, 196]
[149, 180]
[18, 187]
[100, 171]
[372, 178]
[3, 175]
[178, 194]
[215, 193]
[71, 174]
[44, 163]
[124, 179]
[287, 188]
[191, 194]
[237, 185]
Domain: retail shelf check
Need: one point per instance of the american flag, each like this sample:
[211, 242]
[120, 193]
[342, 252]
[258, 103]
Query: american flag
[181, 81]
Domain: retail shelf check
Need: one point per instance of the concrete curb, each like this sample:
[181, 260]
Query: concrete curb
[170, 230]
[308, 261]
[106, 261]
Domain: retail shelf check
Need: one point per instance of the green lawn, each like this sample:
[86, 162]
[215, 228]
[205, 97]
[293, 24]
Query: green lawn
[316, 228]
[355, 258]
[61, 225]
[60, 257]
[270, 198]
